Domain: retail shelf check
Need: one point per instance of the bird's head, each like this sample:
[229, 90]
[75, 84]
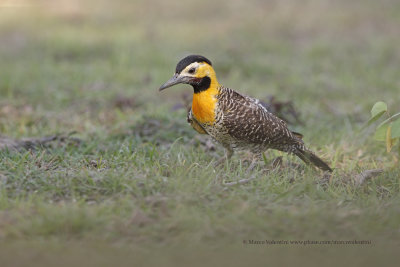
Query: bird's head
[194, 70]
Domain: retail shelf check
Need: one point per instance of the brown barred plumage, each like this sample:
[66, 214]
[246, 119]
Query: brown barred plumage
[237, 121]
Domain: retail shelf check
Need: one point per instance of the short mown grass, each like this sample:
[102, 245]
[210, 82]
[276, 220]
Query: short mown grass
[134, 175]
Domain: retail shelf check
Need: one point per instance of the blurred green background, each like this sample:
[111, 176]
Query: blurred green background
[140, 177]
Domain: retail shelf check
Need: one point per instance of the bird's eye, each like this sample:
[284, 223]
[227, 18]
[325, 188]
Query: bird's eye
[192, 70]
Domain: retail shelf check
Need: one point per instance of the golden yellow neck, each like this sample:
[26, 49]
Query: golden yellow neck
[204, 102]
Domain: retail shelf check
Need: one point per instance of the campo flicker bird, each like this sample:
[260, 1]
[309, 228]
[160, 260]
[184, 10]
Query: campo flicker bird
[236, 121]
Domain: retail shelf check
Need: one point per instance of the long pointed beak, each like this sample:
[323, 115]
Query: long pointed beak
[171, 82]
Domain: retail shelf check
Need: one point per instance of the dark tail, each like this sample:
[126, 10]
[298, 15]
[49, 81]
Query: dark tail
[310, 158]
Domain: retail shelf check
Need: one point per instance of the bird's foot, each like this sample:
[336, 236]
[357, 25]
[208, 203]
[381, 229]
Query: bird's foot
[276, 162]
[229, 153]
[220, 161]
[253, 159]
[252, 165]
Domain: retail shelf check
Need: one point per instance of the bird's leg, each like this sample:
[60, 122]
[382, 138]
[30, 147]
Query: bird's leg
[253, 163]
[228, 155]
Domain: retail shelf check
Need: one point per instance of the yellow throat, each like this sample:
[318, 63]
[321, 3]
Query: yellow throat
[204, 102]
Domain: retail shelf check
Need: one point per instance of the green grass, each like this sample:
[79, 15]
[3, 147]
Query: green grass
[141, 179]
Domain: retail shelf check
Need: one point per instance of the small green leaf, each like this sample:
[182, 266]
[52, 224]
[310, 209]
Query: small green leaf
[377, 111]
[378, 108]
[396, 129]
[380, 134]
[389, 143]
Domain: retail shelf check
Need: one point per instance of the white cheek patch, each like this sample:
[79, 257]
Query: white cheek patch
[195, 65]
